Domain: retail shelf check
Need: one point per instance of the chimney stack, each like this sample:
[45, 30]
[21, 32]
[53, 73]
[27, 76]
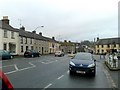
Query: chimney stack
[5, 19]
[22, 28]
[34, 32]
[53, 38]
[97, 38]
[65, 40]
[40, 33]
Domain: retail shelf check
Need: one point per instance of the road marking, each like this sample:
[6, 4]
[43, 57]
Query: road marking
[16, 67]
[60, 77]
[10, 72]
[32, 64]
[7, 66]
[47, 86]
[20, 69]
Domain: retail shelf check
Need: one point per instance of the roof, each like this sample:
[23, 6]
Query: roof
[67, 44]
[25, 33]
[7, 26]
[108, 41]
[28, 34]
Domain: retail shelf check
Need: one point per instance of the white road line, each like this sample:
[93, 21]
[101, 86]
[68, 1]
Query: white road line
[19, 70]
[10, 72]
[7, 66]
[60, 77]
[47, 86]
[32, 64]
[110, 78]
[16, 67]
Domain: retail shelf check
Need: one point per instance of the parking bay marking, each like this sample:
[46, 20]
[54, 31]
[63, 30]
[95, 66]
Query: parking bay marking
[7, 66]
[20, 69]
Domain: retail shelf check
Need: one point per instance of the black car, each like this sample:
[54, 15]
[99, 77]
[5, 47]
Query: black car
[31, 53]
[83, 63]
[5, 55]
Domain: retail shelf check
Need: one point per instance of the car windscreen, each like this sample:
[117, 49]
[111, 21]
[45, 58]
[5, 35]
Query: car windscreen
[83, 57]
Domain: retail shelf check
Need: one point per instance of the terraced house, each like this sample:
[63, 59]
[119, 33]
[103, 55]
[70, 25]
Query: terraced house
[9, 37]
[103, 45]
[18, 41]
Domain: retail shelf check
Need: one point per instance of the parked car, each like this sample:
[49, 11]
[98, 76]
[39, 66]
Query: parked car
[59, 53]
[72, 54]
[5, 55]
[83, 63]
[31, 53]
[4, 82]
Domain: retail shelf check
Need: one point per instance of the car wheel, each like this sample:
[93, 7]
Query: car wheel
[32, 55]
[71, 72]
[93, 74]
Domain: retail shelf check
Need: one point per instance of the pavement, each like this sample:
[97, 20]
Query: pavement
[52, 72]
[114, 74]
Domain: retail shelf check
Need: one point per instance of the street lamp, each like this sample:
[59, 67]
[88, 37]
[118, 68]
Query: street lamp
[38, 27]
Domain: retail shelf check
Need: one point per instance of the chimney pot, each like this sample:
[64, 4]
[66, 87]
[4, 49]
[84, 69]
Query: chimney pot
[5, 19]
[34, 32]
[22, 28]
[53, 38]
[40, 33]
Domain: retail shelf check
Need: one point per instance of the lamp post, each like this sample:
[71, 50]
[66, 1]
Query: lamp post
[38, 27]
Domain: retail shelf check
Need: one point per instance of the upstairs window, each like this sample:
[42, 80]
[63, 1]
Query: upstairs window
[12, 35]
[21, 40]
[102, 46]
[31, 41]
[25, 40]
[5, 33]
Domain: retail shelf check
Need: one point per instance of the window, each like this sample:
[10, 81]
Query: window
[102, 51]
[5, 46]
[12, 35]
[26, 47]
[114, 45]
[5, 33]
[25, 40]
[31, 41]
[21, 48]
[98, 46]
[21, 40]
[108, 45]
[98, 51]
[102, 46]
[31, 47]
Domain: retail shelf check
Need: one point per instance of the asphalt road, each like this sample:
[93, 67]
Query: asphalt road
[52, 72]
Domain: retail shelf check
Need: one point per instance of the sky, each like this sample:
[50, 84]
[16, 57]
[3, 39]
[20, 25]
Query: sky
[74, 20]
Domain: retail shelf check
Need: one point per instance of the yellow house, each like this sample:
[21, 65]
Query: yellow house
[103, 45]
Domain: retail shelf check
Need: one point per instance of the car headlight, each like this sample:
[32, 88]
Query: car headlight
[91, 65]
[71, 63]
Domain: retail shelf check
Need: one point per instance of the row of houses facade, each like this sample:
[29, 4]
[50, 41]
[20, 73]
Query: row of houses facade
[104, 45]
[17, 41]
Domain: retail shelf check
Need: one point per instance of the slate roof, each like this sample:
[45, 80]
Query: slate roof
[108, 41]
[28, 34]
[6, 26]
[25, 33]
